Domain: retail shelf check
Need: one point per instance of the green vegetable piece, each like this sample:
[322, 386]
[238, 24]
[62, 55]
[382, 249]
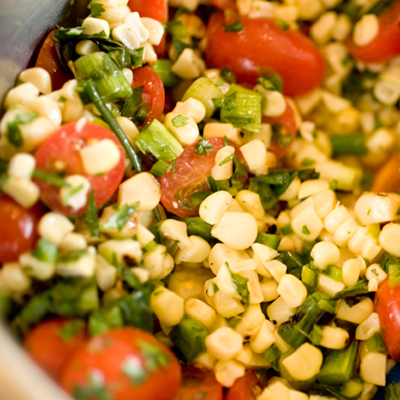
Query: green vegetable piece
[241, 287]
[309, 277]
[105, 318]
[392, 391]
[91, 216]
[267, 196]
[334, 272]
[13, 133]
[163, 69]
[293, 260]
[353, 144]
[360, 288]
[45, 251]
[235, 26]
[70, 329]
[189, 336]
[120, 217]
[52, 179]
[376, 343]
[286, 230]
[268, 239]
[96, 9]
[203, 147]
[196, 226]
[179, 121]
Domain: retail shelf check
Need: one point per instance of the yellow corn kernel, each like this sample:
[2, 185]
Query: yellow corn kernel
[167, 305]
[264, 337]
[357, 313]
[201, 311]
[224, 344]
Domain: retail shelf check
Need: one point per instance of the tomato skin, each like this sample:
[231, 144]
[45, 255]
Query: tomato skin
[48, 60]
[387, 305]
[64, 145]
[289, 127]
[386, 44]
[188, 176]
[18, 228]
[289, 53]
[46, 346]
[224, 4]
[247, 387]
[108, 354]
[198, 384]
[387, 178]
[153, 93]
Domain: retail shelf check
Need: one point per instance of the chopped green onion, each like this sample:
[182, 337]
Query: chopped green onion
[235, 26]
[163, 69]
[268, 239]
[91, 216]
[353, 144]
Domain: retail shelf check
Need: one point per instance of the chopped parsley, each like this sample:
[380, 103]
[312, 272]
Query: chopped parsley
[241, 286]
[226, 160]
[179, 121]
[214, 287]
[235, 26]
[305, 230]
[96, 9]
[283, 140]
[13, 133]
[333, 184]
[120, 217]
[203, 147]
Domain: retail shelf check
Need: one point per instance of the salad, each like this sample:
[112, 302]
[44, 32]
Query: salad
[199, 201]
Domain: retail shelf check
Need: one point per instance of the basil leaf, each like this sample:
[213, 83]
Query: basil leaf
[91, 216]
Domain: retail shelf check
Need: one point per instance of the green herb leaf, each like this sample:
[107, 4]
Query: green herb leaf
[52, 179]
[283, 140]
[235, 26]
[215, 287]
[307, 161]
[13, 133]
[203, 147]
[283, 24]
[177, 30]
[45, 251]
[226, 160]
[91, 216]
[179, 121]
[227, 75]
[72, 257]
[241, 286]
[71, 192]
[96, 9]
[134, 370]
[305, 230]
[272, 82]
[70, 329]
[180, 46]
[154, 357]
[120, 217]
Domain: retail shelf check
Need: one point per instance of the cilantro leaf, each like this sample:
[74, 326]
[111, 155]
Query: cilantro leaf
[13, 133]
[91, 217]
[96, 9]
[203, 147]
[118, 219]
[179, 121]
[241, 286]
[235, 26]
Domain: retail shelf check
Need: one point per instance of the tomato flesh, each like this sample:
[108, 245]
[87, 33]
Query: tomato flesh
[59, 153]
[18, 228]
[52, 343]
[198, 384]
[262, 47]
[128, 362]
[386, 44]
[387, 305]
[247, 387]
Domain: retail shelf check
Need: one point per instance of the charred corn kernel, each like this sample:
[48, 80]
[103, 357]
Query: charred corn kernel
[324, 254]
[224, 344]
[263, 339]
[101, 157]
[374, 271]
[370, 249]
[183, 127]
[214, 206]
[226, 306]
[188, 65]
[20, 94]
[389, 239]
[329, 286]
[309, 357]
[373, 368]
[75, 195]
[14, 278]
[278, 311]
[334, 338]
[250, 322]
[158, 262]
[219, 129]
[38, 77]
[85, 47]
[292, 290]
[269, 288]
[335, 218]
[333, 103]
[345, 231]
[167, 305]
[321, 31]
[155, 28]
[36, 268]
[105, 273]
[21, 166]
[127, 251]
[351, 271]
[197, 252]
[255, 154]
[192, 108]
[356, 314]
[292, 190]
[311, 187]
[53, 227]
[307, 224]
[366, 29]
[73, 241]
[226, 372]
[253, 285]
[176, 231]
[251, 203]
[83, 267]
[367, 328]
[94, 26]
[143, 188]
[238, 230]
[222, 253]
[245, 355]
[201, 311]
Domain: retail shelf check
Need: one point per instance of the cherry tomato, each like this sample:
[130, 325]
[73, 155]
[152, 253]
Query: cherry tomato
[59, 153]
[153, 93]
[187, 177]
[52, 343]
[124, 364]
[387, 179]
[263, 47]
[18, 228]
[247, 387]
[48, 60]
[386, 44]
[198, 384]
[156, 9]
[286, 124]
[387, 305]
[224, 4]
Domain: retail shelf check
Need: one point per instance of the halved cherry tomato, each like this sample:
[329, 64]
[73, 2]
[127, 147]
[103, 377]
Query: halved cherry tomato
[48, 60]
[386, 44]
[153, 93]
[18, 228]
[124, 364]
[387, 179]
[263, 47]
[52, 343]
[59, 153]
[187, 177]
[198, 384]
[387, 305]
[247, 387]
[287, 126]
